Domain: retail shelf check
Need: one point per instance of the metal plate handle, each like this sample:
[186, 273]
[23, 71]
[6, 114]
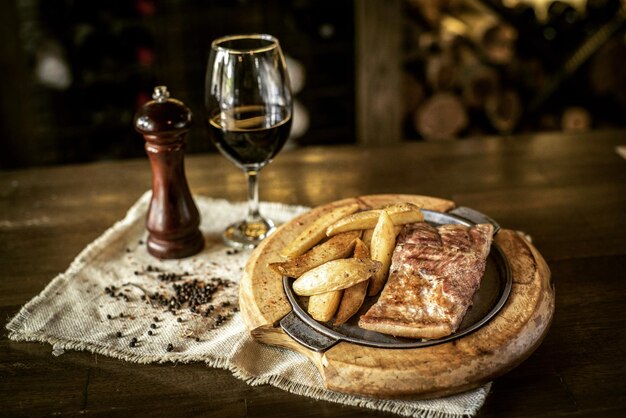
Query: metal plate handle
[305, 334]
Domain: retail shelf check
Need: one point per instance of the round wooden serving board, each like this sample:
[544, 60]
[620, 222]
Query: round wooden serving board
[452, 367]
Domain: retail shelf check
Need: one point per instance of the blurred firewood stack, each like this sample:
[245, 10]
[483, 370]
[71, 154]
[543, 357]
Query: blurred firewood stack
[475, 67]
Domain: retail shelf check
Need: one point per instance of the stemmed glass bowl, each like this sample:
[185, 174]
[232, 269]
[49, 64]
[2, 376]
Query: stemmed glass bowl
[249, 105]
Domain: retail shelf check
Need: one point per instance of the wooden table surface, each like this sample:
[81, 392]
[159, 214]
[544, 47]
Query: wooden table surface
[567, 191]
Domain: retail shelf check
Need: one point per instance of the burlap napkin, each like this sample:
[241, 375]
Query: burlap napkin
[117, 300]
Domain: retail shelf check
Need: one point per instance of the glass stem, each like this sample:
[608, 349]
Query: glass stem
[253, 196]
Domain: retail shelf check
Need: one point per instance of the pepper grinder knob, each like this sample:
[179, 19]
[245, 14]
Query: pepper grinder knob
[173, 220]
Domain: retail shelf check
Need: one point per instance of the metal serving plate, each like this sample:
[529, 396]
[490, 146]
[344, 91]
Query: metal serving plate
[488, 300]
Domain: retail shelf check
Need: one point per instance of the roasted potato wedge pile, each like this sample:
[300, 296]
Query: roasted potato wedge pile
[315, 232]
[344, 255]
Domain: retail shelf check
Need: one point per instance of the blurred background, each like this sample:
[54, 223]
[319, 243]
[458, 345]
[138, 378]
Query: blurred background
[364, 72]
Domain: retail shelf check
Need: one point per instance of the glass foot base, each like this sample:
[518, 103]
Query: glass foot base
[247, 234]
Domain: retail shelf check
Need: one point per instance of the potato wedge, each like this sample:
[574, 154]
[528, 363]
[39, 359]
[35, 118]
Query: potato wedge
[322, 307]
[401, 213]
[316, 231]
[339, 246]
[353, 296]
[360, 249]
[383, 243]
[335, 275]
[367, 237]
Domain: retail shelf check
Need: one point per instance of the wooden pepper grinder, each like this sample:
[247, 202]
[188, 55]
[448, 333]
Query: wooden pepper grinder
[173, 219]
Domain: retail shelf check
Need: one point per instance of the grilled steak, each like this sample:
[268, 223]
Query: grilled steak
[434, 274]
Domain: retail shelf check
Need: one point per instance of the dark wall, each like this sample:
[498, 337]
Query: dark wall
[73, 72]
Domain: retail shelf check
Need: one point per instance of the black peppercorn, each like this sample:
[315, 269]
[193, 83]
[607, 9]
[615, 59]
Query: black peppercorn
[170, 347]
[191, 294]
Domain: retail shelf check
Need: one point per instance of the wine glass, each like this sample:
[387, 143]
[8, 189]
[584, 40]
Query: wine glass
[248, 99]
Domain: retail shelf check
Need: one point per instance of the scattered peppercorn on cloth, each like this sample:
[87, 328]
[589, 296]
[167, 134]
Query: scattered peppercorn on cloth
[117, 300]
